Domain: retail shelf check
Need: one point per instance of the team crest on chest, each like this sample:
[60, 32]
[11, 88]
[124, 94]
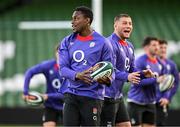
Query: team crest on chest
[92, 44]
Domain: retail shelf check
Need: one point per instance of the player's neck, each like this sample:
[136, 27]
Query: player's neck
[150, 56]
[86, 32]
[122, 38]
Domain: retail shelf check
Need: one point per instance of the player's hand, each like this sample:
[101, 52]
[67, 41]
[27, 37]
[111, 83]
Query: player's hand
[148, 73]
[45, 96]
[160, 79]
[25, 97]
[164, 102]
[134, 77]
[84, 76]
[104, 80]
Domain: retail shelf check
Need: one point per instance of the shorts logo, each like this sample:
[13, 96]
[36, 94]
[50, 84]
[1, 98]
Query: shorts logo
[95, 118]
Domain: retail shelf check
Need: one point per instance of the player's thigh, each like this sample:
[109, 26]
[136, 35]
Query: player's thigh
[161, 115]
[149, 116]
[50, 114]
[71, 115]
[135, 113]
[90, 110]
[108, 112]
[122, 113]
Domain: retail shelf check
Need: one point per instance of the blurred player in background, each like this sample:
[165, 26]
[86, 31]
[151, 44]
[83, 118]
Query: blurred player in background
[164, 98]
[53, 100]
[80, 51]
[142, 96]
[114, 109]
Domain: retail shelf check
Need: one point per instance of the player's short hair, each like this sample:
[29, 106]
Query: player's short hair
[87, 12]
[148, 40]
[116, 18]
[57, 47]
[161, 42]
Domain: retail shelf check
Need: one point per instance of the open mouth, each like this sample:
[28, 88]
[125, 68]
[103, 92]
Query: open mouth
[127, 31]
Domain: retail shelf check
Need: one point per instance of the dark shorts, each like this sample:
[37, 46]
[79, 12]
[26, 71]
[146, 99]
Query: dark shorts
[162, 115]
[81, 110]
[140, 114]
[108, 113]
[121, 112]
[51, 114]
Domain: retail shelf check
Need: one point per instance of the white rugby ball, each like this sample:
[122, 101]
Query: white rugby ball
[34, 99]
[167, 83]
[101, 69]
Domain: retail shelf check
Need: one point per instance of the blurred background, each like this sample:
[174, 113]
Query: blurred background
[30, 30]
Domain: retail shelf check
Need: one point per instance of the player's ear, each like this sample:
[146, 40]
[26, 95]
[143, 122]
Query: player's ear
[88, 20]
[115, 25]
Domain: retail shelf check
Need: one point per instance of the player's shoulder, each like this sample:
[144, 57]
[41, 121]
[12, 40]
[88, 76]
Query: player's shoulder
[130, 44]
[98, 36]
[143, 58]
[110, 38]
[48, 63]
[171, 62]
[70, 37]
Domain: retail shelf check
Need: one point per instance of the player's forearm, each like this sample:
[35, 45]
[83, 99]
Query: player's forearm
[68, 73]
[55, 96]
[121, 75]
[147, 81]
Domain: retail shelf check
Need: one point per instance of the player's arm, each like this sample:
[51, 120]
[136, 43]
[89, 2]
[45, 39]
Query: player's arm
[37, 69]
[107, 55]
[175, 73]
[53, 96]
[134, 67]
[64, 61]
[140, 66]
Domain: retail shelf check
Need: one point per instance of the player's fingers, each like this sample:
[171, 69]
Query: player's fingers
[87, 80]
[136, 81]
[136, 73]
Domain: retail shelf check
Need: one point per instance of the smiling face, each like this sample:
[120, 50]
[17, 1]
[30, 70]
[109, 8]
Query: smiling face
[163, 51]
[123, 27]
[79, 22]
[153, 47]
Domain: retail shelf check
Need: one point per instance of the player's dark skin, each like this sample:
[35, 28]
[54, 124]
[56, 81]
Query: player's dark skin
[81, 25]
[85, 76]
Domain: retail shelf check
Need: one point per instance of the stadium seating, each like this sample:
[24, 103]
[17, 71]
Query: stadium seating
[150, 18]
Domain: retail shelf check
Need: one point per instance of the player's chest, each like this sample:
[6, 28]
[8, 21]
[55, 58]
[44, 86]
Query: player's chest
[155, 67]
[79, 50]
[124, 54]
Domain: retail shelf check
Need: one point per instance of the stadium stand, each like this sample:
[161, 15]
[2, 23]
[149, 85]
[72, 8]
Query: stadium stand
[150, 17]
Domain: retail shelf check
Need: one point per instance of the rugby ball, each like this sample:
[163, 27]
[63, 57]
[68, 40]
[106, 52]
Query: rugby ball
[34, 99]
[101, 69]
[167, 82]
